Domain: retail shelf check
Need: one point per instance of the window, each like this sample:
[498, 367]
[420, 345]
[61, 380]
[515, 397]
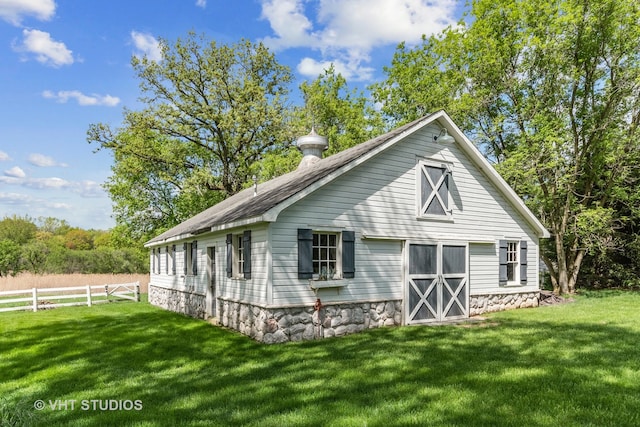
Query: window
[171, 259]
[190, 267]
[433, 189]
[513, 262]
[324, 255]
[239, 255]
[155, 261]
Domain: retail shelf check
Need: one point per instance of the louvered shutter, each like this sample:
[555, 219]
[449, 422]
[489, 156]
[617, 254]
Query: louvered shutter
[173, 259]
[305, 253]
[246, 247]
[523, 262]
[348, 254]
[185, 258]
[229, 255]
[502, 258]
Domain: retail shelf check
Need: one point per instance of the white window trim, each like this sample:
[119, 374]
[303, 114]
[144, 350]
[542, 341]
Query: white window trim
[238, 256]
[514, 262]
[448, 216]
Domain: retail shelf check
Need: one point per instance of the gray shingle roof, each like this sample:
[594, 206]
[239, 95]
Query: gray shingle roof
[245, 204]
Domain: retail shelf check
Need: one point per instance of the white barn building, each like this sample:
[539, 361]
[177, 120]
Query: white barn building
[411, 227]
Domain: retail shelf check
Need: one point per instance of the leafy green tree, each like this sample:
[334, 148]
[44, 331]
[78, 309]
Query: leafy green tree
[17, 229]
[346, 117]
[34, 256]
[211, 112]
[9, 257]
[550, 91]
[78, 239]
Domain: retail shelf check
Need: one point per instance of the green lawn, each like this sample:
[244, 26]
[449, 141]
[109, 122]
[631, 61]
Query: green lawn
[573, 364]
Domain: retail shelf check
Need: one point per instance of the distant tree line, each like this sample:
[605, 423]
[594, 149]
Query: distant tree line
[51, 245]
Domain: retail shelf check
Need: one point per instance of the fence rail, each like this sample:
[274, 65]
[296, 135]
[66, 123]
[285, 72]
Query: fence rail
[44, 298]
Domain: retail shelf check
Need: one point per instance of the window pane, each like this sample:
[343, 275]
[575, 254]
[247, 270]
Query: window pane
[435, 173]
[422, 259]
[332, 240]
[324, 254]
[453, 259]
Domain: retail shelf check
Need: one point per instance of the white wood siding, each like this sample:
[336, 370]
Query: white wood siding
[379, 198]
[252, 290]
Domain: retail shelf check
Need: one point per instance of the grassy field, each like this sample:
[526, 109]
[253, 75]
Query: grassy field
[30, 280]
[567, 365]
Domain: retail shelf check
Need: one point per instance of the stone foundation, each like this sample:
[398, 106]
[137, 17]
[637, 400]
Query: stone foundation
[276, 325]
[479, 304]
[181, 302]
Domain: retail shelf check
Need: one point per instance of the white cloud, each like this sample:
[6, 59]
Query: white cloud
[4, 156]
[13, 11]
[46, 50]
[346, 31]
[47, 183]
[147, 45]
[43, 161]
[201, 3]
[89, 189]
[82, 99]
[312, 68]
[15, 172]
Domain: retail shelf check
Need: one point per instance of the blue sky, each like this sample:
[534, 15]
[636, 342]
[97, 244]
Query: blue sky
[66, 64]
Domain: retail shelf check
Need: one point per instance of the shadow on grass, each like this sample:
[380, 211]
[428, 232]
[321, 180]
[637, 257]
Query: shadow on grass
[520, 371]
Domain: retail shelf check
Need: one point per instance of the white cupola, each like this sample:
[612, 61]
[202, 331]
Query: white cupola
[312, 146]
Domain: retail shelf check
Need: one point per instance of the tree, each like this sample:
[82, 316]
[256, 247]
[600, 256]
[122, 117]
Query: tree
[550, 91]
[211, 112]
[346, 117]
[9, 257]
[17, 229]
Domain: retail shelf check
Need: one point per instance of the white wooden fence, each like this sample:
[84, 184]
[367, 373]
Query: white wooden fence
[36, 299]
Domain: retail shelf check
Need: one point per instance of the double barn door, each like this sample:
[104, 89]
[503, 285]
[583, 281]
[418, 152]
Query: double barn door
[437, 282]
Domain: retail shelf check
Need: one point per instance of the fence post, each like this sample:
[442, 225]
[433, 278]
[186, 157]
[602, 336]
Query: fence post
[106, 291]
[35, 298]
[88, 296]
[138, 291]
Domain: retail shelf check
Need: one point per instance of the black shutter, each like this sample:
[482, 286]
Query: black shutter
[502, 257]
[246, 245]
[173, 259]
[186, 258]
[194, 258]
[348, 254]
[229, 255]
[166, 260]
[305, 253]
[523, 262]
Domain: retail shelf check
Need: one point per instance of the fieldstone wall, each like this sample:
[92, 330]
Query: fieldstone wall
[307, 323]
[479, 304]
[181, 302]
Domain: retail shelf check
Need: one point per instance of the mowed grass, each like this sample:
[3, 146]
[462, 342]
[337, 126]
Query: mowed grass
[567, 365]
